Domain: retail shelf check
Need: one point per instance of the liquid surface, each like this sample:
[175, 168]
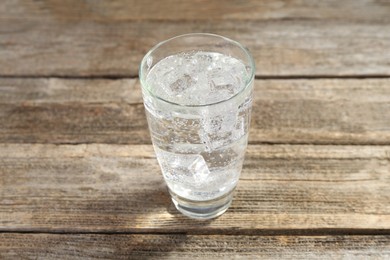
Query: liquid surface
[197, 78]
[200, 150]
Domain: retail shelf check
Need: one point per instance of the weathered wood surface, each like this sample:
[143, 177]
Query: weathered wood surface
[316, 111]
[119, 246]
[349, 10]
[287, 38]
[119, 188]
[316, 180]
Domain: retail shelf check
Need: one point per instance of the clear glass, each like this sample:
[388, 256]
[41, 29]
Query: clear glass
[197, 92]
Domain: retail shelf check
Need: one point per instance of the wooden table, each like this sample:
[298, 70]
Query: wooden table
[78, 176]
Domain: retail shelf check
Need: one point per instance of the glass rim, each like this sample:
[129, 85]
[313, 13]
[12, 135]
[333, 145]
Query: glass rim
[248, 81]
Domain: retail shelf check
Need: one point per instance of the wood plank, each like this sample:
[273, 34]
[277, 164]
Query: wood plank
[119, 188]
[68, 246]
[347, 111]
[350, 10]
[109, 39]
[72, 111]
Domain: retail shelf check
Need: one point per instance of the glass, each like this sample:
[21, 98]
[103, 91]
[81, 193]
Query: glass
[197, 92]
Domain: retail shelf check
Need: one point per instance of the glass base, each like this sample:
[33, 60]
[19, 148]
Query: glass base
[202, 209]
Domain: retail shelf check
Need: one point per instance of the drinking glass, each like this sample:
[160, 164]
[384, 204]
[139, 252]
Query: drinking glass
[197, 93]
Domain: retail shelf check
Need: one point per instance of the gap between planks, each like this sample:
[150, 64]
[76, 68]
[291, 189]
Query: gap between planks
[225, 232]
[262, 77]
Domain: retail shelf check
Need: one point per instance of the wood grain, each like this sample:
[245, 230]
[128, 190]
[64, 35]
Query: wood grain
[119, 188]
[342, 111]
[68, 246]
[348, 10]
[79, 178]
[287, 38]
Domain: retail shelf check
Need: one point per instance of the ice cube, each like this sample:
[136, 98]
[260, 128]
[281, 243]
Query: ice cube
[229, 121]
[203, 58]
[160, 87]
[218, 125]
[182, 83]
[212, 141]
[199, 169]
[191, 169]
[221, 82]
[220, 118]
[240, 128]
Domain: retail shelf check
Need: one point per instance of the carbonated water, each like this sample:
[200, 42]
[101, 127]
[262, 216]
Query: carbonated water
[198, 109]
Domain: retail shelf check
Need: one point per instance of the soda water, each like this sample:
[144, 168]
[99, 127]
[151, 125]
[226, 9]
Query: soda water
[198, 109]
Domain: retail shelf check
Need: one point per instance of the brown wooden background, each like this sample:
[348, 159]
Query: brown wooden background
[78, 176]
